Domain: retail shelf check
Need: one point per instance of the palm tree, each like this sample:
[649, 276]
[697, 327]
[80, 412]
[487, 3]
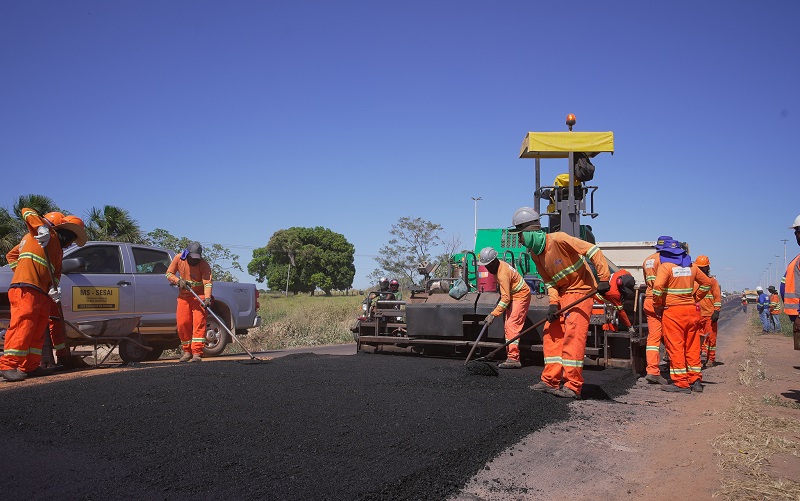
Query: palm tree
[12, 227]
[113, 224]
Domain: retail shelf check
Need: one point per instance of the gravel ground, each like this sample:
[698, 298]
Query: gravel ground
[297, 427]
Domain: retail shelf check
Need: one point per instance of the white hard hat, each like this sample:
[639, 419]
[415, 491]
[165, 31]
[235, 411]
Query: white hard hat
[759, 289]
[486, 256]
[796, 223]
[523, 218]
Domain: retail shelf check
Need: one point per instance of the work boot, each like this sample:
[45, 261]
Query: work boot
[675, 389]
[40, 371]
[13, 375]
[697, 386]
[567, 393]
[542, 386]
[196, 358]
[510, 364]
[185, 357]
[653, 379]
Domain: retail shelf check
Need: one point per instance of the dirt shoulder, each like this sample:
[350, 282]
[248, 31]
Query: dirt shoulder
[736, 440]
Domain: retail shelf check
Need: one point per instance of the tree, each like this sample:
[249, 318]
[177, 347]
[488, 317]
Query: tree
[413, 242]
[113, 224]
[311, 258]
[13, 228]
[221, 260]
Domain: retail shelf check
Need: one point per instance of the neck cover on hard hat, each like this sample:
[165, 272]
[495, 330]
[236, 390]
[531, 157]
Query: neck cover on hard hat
[682, 259]
[534, 241]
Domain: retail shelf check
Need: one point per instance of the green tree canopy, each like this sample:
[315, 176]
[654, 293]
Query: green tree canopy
[12, 227]
[113, 224]
[221, 260]
[311, 257]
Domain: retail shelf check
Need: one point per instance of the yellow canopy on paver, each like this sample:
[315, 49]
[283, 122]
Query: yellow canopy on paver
[559, 144]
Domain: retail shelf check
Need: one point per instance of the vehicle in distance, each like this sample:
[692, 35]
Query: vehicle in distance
[104, 280]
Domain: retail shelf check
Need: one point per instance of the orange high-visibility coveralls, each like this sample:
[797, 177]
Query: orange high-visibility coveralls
[614, 298]
[673, 294]
[650, 268]
[191, 315]
[30, 304]
[563, 268]
[710, 303]
[515, 298]
[57, 336]
[791, 297]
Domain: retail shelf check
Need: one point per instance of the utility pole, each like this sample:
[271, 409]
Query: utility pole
[784, 251]
[476, 219]
[777, 276]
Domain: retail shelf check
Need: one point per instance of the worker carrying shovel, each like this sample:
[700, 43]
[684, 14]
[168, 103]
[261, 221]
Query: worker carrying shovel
[515, 298]
[561, 260]
[190, 272]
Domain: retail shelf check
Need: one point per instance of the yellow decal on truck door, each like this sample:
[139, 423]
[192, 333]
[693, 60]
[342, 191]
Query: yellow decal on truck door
[95, 298]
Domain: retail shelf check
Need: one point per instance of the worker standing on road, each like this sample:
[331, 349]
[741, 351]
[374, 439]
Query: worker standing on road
[561, 261]
[674, 298]
[515, 298]
[774, 308]
[654, 335]
[790, 289]
[744, 303]
[189, 271]
[762, 305]
[622, 288]
[710, 307]
[33, 290]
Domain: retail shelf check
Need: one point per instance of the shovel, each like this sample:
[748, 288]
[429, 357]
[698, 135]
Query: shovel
[475, 345]
[481, 365]
[221, 323]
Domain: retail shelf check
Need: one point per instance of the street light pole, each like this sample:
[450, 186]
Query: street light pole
[784, 251]
[777, 263]
[476, 218]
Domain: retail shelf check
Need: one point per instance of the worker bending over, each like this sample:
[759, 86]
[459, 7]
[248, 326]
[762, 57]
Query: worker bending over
[515, 298]
[561, 261]
[190, 272]
[710, 306]
[622, 288]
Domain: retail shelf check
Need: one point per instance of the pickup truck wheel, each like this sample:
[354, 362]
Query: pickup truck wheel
[131, 352]
[216, 338]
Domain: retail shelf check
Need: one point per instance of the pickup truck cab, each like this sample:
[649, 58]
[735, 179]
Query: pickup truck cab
[104, 280]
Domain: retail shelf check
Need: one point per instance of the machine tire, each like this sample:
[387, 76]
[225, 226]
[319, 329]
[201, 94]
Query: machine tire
[130, 352]
[216, 338]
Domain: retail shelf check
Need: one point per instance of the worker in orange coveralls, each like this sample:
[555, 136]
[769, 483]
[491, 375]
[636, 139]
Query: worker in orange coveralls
[710, 306]
[790, 288]
[622, 287]
[34, 289]
[561, 261]
[515, 298]
[189, 271]
[775, 308]
[654, 335]
[674, 298]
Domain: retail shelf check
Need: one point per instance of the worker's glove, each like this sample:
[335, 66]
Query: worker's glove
[603, 287]
[207, 302]
[552, 313]
[489, 319]
[182, 284]
[715, 316]
[55, 294]
[43, 235]
[631, 330]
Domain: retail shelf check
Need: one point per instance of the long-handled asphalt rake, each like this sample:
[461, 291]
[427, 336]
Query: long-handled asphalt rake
[482, 367]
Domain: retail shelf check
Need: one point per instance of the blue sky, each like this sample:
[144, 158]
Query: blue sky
[227, 121]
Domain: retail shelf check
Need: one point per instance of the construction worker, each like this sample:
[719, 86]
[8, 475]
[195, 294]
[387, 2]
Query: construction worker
[515, 298]
[744, 303]
[34, 289]
[190, 272]
[394, 289]
[790, 288]
[762, 305]
[674, 298]
[622, 287]
[561, 261]
[654, 335]
[710, 306]
[774, 308]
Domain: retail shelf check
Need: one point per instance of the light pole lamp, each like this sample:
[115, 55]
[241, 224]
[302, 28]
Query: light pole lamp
[475, 199]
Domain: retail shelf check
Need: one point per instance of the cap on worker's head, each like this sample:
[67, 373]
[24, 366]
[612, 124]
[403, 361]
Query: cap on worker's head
[76, 226]
[796, 224]
[759, 289]
[525, 219]
[486, 256]
[702, 261]
[195, 250]
[660, 242]
[672, 247]
[772, 289]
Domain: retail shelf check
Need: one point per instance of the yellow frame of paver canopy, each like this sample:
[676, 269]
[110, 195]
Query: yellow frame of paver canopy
[560, 144]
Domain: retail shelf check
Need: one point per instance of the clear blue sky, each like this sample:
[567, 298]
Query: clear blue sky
[227, 121]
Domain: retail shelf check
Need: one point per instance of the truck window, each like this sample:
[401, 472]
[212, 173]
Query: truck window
[100, 258]
[150, 261]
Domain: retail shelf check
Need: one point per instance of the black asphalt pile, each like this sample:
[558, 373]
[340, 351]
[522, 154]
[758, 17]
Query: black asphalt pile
[295, 428]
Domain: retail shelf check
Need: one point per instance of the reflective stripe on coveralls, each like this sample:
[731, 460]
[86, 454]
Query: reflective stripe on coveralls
[791, 296]
[567, 336]
[31, 312]
[515, 298]
[652, 351]
[191, 317]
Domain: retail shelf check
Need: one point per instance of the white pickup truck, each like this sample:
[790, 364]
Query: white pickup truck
[104, 280]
